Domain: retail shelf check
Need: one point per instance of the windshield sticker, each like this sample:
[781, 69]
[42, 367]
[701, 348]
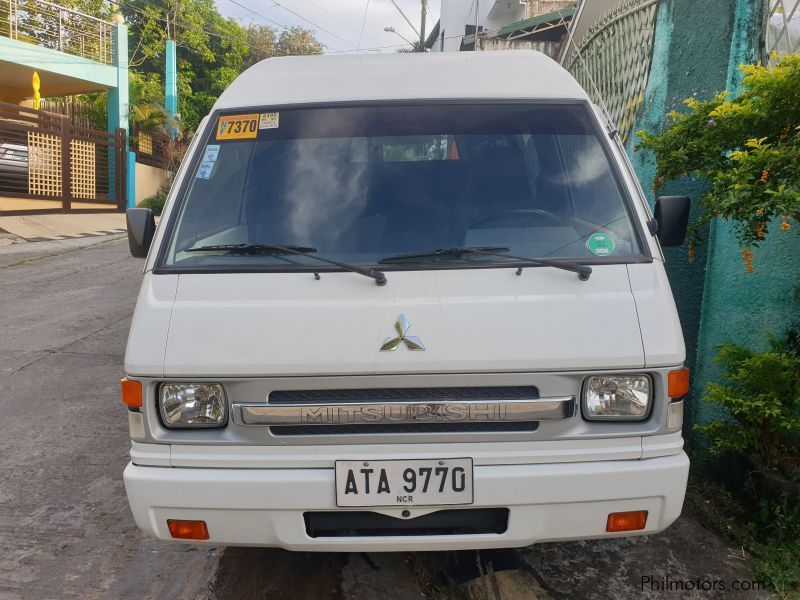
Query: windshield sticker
[205, 169]
[211, 153]
[600, 244]
[269, 120]
[237, 127]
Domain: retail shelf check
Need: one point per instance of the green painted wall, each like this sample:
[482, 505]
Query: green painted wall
[118, 101]
[690, 58]
[46, 60]
[739, 306]
[698, 45]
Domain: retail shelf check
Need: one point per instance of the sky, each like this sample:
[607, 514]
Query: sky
[338, 23]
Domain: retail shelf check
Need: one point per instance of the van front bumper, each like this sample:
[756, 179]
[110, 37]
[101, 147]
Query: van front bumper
[546, 502]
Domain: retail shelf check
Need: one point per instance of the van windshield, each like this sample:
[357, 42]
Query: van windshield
[368, 184]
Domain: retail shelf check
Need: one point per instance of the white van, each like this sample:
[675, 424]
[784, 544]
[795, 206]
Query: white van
[405, 302]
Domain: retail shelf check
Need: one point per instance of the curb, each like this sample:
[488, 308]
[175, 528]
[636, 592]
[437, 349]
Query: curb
[76, 235]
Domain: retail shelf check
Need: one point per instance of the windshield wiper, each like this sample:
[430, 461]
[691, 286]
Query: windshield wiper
[276, 249]
[458, 251]
[254, 249]
[583, 271]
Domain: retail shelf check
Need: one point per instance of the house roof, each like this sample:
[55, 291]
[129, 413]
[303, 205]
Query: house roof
[433, 36]
[513, 74]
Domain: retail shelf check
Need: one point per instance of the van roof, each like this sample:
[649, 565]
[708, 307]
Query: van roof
[507, 74]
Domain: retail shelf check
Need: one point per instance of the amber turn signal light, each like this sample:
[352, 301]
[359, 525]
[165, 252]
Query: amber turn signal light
[131, 392]
[678, 383]
[626, 521]
[187, 530]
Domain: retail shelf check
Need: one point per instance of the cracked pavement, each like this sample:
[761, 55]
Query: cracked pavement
[66, 530]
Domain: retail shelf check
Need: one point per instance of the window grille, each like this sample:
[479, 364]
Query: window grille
[44, 164]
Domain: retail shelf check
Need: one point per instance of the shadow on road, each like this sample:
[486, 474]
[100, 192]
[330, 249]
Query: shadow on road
[277, 574]
[259, 573]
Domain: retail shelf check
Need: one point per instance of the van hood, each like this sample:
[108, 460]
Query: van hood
[469, 321]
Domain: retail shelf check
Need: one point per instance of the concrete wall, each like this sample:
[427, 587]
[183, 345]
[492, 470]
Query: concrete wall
[542, 7]
[148, 180]
[739, 306]
[690, 58]
[550, 48]
[698, 45]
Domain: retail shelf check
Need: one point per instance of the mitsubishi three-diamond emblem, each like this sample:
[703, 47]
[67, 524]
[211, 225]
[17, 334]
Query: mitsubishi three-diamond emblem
[401, 326]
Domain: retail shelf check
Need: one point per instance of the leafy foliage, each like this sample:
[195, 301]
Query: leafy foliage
[762, 396]
[212, 50]
[747, 148]
[146, 110]
[771, 535]
[156, 201]
[264, 42]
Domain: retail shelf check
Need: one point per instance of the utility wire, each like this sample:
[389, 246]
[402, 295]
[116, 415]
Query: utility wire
[266, 18]
[244, 43]
[329, 13]
[406, 18]
[355, 28]
[312, 23]
[363, 24]
[181, 24]
[250, 10]
[395, 46]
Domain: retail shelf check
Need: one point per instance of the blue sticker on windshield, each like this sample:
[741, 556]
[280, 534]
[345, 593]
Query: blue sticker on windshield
[205, 169]
[211, 153]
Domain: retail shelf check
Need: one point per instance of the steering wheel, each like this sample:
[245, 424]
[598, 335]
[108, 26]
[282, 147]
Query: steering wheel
[528, 214]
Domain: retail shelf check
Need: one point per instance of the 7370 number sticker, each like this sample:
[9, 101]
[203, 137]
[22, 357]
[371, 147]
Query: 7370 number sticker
[237, 127]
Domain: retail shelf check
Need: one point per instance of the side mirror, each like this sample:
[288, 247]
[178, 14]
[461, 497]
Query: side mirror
[672, 216]
[141, 229]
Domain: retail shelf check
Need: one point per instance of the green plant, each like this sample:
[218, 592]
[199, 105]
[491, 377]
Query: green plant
[771, 535]
[778, 564]
[717, 507]
[156, 201]
[747, 148]
[762, 397]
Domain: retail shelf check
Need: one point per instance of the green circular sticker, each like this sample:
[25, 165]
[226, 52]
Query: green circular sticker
[600, 244]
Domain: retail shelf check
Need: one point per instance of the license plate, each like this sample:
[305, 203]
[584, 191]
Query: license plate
[404, 482]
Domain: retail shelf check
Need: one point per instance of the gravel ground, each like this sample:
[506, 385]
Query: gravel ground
[66, 530]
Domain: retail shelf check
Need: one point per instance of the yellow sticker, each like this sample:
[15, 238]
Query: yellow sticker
[237, 127]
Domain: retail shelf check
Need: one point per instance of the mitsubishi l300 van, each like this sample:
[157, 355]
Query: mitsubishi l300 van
[405, 302]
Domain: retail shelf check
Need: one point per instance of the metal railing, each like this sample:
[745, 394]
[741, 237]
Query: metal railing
[783, 27]
[58, 28]
[45, 157]
[151, 147]
[612, 61]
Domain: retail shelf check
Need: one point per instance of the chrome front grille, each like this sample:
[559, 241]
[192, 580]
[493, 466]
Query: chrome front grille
[516, 427]
[405, 394]
[495, 409]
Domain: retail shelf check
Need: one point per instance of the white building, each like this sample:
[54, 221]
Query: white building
[501, 24]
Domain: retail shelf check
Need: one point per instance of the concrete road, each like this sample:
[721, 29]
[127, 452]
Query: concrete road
[66, 530]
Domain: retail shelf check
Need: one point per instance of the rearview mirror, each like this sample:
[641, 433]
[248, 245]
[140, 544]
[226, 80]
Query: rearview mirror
[141, 229]
[672, 216]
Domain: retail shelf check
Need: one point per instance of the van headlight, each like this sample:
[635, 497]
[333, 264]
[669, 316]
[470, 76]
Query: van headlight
[617, 397]
[186, 405]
